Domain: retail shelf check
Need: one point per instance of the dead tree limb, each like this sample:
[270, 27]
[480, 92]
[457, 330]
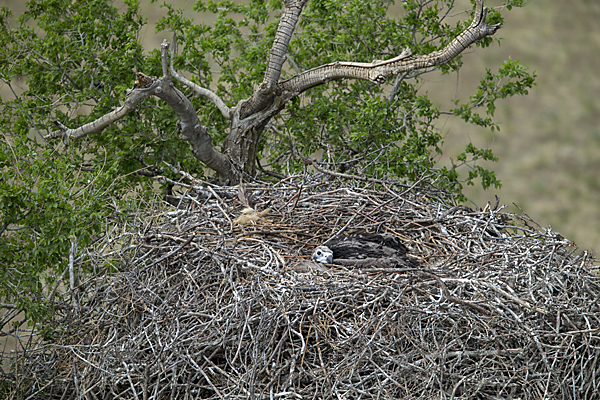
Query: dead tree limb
[249, 118]
[380, 71]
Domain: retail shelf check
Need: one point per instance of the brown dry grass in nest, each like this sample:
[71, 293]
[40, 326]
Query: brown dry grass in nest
[202, 307]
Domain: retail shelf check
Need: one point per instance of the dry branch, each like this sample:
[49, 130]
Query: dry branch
[201, 308]
[249, 118]
[379, 71]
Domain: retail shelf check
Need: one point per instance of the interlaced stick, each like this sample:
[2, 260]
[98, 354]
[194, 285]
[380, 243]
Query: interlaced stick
[196, 307]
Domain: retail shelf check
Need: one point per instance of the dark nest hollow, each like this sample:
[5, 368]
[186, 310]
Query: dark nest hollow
[199, 305]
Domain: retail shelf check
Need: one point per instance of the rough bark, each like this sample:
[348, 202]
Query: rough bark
[249, 118]
[191, 130]
[265, 94]
[240, 143]
[252, 115]
[379, 71]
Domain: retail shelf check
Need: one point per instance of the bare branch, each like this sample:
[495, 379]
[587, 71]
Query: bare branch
[72, 254]
[131, 100]
[203, 92]
[380, 71]
[287, 24]
[249, 117]
[265, 94]
[196, 89]
[191, 129]
[164, 47]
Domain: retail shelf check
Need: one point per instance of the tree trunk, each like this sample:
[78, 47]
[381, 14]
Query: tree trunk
[249, 117]
[240, 147]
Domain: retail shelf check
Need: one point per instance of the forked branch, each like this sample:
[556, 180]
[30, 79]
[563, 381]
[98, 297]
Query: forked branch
[249, 118]
[197, 90]
[263, 97]
[379, 71]
[191, 129]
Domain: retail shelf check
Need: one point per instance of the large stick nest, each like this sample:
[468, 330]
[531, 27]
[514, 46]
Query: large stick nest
[203, 306]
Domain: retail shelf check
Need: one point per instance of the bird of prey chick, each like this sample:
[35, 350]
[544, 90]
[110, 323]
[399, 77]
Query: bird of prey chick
[365, 250]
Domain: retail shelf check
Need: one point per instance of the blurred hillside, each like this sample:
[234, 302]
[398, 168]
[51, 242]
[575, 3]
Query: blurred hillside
[549, 142]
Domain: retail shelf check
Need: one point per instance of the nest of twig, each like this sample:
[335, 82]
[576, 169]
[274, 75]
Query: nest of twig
[200, 306]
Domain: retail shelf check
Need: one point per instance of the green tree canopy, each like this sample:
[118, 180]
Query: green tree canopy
[67, 65]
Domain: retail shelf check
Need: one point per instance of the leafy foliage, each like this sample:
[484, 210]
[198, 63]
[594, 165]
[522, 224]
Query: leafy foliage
[67, 62]
[388, 130]
[72, 61]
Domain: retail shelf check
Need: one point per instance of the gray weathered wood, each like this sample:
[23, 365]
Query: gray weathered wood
[249, 118]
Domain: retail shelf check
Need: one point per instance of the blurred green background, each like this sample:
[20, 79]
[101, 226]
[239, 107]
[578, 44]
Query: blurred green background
[549, 141]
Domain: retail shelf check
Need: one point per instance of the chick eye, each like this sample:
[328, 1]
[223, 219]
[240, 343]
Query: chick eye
[319, 252]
